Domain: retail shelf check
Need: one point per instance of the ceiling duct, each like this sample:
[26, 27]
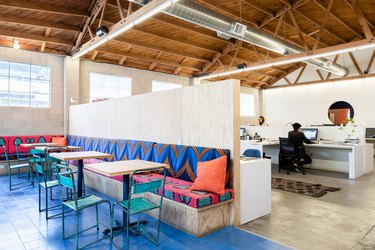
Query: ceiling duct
[199, 15]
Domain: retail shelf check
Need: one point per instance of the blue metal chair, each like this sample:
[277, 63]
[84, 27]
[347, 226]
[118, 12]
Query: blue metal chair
[65, 179]
[20, 166]
[47, 183]
[252, 153]
[138, 205]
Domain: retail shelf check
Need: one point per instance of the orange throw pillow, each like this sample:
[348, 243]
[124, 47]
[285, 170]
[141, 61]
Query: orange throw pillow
[60, 140]
[211, 176]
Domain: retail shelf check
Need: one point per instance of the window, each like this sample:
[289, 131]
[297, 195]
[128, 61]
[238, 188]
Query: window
[161, 86]
[24, 85]
[104, 86]
[247, 105]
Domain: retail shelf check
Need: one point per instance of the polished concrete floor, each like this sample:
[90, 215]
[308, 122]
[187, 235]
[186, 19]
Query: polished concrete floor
[338, 220]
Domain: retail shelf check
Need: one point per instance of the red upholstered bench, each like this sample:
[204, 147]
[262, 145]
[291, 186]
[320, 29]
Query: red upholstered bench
[178, 190]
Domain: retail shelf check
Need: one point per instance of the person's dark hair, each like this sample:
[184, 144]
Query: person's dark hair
[263, 120]
[296, 125]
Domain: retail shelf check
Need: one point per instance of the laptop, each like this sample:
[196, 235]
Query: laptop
[310, 133]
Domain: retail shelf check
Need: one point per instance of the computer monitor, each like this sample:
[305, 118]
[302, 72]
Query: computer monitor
[310, 133]
[242, 131]
[370, 132]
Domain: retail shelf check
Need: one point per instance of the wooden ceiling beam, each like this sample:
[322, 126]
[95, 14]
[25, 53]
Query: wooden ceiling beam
[363, 22]
[37, 23]
[146, 59]
[334, 60]
[282, 11]
[43, 7]
[97, 7]
[259, 7]
[323, 24]
[177, 40]
[33, 37]
[352, 4]
[94, 55]
[153, 64]
[355, 63]
[46, 34]
[182, 25]
[158, 48]
[220, 54]
[7, 43]
[338, 18]
[327, 30]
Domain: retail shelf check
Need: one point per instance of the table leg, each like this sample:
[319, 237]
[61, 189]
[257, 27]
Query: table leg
[80, 177]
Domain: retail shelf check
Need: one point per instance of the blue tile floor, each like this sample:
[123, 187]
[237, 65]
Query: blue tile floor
[23, 227]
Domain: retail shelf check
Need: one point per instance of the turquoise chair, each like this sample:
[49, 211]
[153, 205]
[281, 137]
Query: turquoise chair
[47, 183]
[65, 179]
[138, 205]
[20, 166]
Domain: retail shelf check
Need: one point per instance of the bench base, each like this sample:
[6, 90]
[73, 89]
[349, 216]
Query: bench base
[194, 221]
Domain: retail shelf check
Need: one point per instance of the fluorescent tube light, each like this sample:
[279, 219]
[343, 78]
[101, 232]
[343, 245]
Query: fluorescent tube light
[371, 44]
[126, 26]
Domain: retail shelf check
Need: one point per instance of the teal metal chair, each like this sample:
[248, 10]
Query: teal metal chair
[47, 183]
[20, 166]
[139, 205]
[65, 179]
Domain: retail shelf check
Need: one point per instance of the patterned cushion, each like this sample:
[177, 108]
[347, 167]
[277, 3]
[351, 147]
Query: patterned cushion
[178, 190]
[183, 160]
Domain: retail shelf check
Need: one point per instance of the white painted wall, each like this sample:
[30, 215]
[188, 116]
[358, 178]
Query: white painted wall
[309, 104]
[141, 79]
[252, 120]
[35, 121]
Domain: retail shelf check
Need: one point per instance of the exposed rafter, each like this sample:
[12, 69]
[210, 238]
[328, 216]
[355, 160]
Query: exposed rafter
[33, 37]
[28, 5]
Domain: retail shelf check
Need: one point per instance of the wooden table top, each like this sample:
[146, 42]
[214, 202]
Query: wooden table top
[80, 155]
[117, 168]
[30, 145]
[42, 148]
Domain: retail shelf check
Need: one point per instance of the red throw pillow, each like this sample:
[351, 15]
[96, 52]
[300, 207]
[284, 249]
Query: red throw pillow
[211, 176]
[59, 140]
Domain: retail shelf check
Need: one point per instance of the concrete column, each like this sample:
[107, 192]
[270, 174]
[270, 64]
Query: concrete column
[71, 87]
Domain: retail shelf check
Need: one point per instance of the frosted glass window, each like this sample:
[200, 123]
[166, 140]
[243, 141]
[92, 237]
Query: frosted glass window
[161, 86]
[24, 85]
[247, 105]
[103, 86]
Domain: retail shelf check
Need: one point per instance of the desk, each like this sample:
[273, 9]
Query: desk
[356, 160]
[80, 156]
[124, 168]
[255, 195]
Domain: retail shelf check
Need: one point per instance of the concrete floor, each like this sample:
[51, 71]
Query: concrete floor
[338, 220]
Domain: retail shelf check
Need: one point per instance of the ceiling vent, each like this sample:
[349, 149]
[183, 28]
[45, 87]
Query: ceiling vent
[238, 29]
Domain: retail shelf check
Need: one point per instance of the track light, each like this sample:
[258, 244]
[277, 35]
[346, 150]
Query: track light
[16, 44]
[101, 31]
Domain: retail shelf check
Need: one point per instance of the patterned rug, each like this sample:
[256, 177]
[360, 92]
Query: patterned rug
[299, 187]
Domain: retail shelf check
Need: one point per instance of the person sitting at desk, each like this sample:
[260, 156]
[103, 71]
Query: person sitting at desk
[262, 121]
[298, 138]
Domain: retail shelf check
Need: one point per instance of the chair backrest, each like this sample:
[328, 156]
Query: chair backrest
[65, 177]
[3, 151]
[154, 185]
[287, 148]
[252, 153]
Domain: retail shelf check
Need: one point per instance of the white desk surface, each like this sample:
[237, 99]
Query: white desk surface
[31, 145]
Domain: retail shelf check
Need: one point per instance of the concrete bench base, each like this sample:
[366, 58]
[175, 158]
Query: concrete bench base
[197, 222]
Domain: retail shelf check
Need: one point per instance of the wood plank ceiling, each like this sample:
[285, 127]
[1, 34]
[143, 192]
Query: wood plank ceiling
[166, 44]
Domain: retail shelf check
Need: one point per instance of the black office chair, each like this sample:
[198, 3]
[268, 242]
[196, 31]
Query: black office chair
[290, 156]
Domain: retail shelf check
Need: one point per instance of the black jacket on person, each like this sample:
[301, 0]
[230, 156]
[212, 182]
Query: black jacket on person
[298, 138]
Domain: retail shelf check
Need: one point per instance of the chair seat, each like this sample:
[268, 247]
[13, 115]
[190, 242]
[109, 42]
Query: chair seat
[84, 202]
[138, 205]
[22, 165]
[49, 184]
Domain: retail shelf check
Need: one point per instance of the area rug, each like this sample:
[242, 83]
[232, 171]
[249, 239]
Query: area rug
[300, 187]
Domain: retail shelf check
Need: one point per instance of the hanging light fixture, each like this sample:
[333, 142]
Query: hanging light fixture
[16, 43]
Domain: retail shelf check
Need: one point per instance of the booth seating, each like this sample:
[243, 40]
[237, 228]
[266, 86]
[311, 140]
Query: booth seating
[195, 212]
